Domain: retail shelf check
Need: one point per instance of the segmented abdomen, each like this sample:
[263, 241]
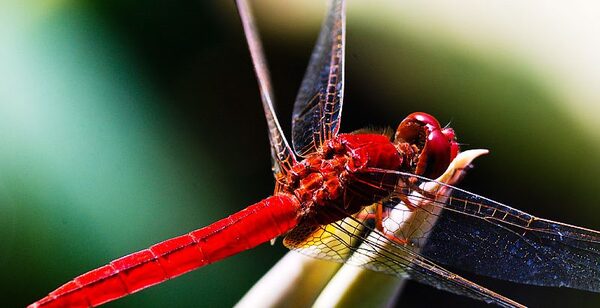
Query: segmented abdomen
[243, 230]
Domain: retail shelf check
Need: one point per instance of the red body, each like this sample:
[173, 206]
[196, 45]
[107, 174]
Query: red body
[329, 185]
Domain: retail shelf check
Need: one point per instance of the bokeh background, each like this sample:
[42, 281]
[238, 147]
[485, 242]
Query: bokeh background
[124, 123]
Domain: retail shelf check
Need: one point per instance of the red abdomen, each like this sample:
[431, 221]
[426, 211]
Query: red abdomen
[243, 230]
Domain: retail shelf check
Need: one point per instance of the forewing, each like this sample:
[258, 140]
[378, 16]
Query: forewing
[488, 238]
[318, 106]
[501, 242]
[282, 155]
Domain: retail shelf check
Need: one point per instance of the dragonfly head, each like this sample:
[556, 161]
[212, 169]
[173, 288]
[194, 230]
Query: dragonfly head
[433, 148]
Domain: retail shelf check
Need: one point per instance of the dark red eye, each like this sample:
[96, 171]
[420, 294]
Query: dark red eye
[438, 147]
[454, 147]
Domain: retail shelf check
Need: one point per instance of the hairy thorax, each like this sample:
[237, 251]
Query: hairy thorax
[335, 181]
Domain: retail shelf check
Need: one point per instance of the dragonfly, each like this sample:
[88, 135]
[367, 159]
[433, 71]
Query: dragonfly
[338, 195]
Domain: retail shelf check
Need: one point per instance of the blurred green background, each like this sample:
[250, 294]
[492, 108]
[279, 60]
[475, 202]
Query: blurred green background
[124, 123]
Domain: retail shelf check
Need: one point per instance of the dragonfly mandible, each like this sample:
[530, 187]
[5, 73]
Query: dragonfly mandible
[329, 183]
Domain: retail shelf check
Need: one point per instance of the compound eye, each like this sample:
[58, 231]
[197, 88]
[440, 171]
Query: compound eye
[437, 146]
[435, 156]
[412, 128]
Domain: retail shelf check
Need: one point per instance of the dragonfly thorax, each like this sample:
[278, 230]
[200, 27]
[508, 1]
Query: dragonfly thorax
[334, 181]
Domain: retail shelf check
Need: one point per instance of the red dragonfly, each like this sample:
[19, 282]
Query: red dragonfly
[334, 184]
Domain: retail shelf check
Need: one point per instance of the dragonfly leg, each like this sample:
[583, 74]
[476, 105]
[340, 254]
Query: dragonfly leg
[407, 202]
[367, 216]
[379, 215]
[394, 238]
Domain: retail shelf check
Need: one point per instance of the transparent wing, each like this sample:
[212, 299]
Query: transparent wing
[318, 106]
[488, 238]
[281, 153]
[353, 241]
